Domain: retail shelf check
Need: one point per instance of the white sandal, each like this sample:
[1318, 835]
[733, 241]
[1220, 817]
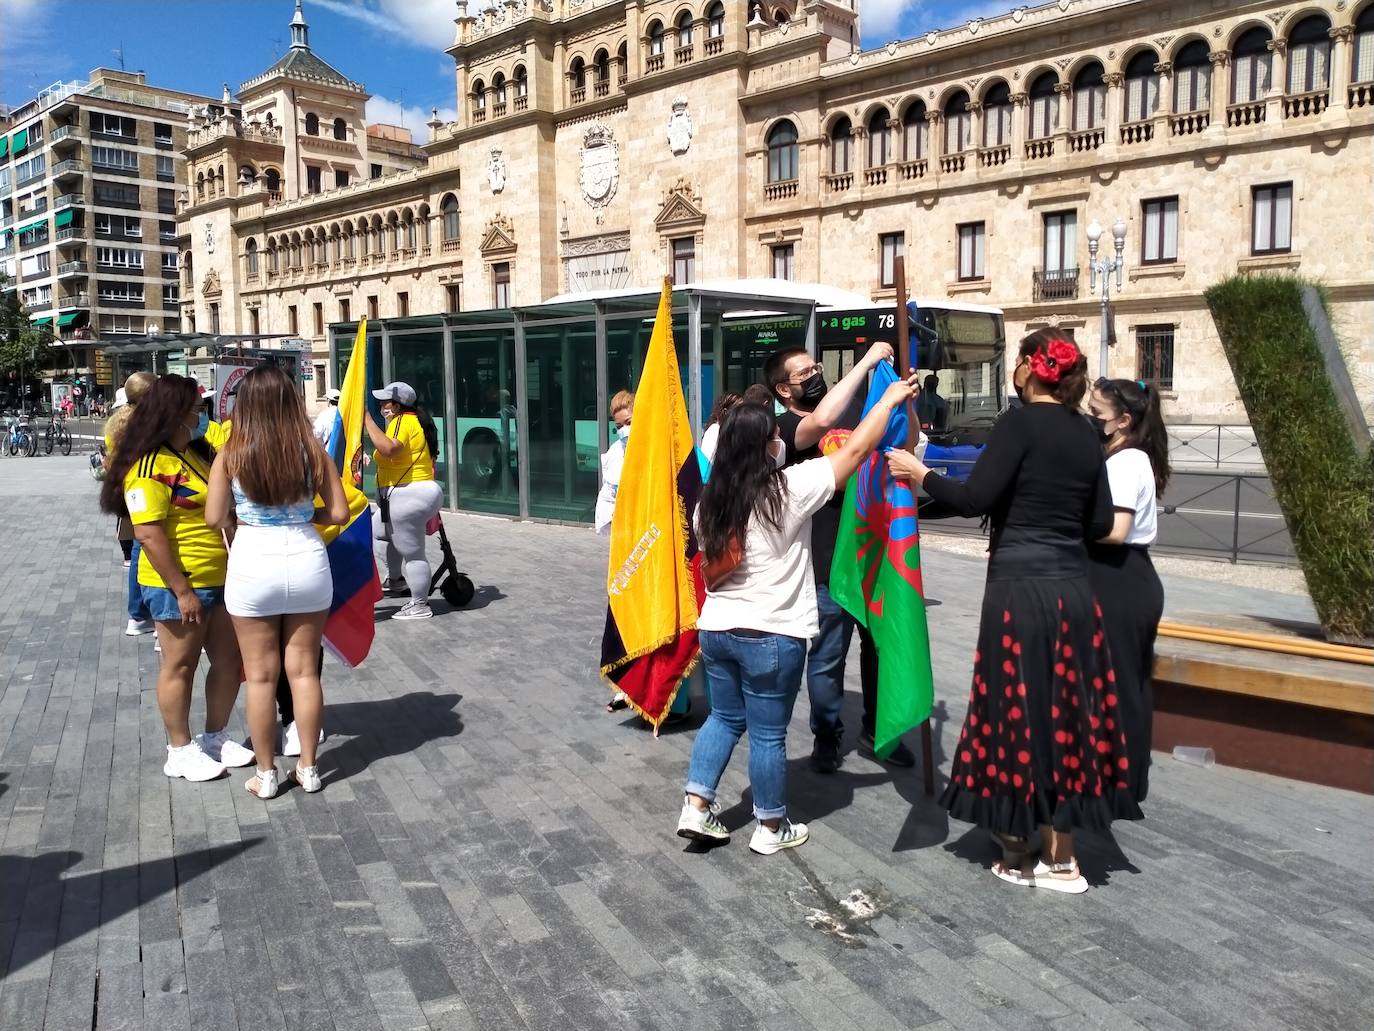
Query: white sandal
[266, 781]
[307, 777]
[1045, 875]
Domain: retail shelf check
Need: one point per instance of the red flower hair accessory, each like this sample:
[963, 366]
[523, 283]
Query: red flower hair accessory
[1057, 357]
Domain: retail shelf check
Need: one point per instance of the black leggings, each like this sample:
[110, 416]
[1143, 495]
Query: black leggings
[284, 706]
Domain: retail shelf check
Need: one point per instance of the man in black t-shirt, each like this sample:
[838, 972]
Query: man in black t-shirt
[812, 411]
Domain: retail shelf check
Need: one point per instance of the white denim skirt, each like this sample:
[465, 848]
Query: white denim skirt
[277, 571]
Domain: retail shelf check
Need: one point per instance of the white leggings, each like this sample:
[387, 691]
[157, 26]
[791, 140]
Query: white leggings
[411, 506]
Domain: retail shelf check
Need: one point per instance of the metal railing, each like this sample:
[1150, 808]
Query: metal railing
[1217, 446]
[1054, 284]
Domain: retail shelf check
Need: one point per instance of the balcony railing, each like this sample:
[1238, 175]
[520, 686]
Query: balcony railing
[69, 167]
[602, 88]
[781, 191]
[683, 55]
[73, 301]
[578, 94]
[522, 103]
[1306, 105]
[65, 134]
[42, 304]
[952, 164]
[1189, 123]
[714, 46]
[1137, 132]
[6, 221]
[1086, 141]
[992, 157]
[910, 170]
[69, 200]
[479, 116]
[40, 205]
[72, 268]
[33, 177]
[1040, 150]
[875, 176]
[838, 182]
[1054, 284]
[450, 246]
[1362, 94]
[1239, 115]
[653, 63]
[71, 234]
[498, 109]
[30, 241]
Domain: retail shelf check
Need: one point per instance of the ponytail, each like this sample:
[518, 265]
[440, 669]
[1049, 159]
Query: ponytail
[1146, 433]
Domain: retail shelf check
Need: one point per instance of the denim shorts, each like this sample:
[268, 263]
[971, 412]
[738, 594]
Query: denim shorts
[162, 603]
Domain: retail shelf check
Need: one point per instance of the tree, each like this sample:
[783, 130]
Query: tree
[24, 349]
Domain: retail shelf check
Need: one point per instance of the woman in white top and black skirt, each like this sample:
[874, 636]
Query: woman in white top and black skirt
[1043, 745]
[1123, 577]
[754, 528]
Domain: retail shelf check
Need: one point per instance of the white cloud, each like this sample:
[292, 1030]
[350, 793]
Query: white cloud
[884, 15]
[424, 23]
[26, 63]
[392, 112]
[882, 20]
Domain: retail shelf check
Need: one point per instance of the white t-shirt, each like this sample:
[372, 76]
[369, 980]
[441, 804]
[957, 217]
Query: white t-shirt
[773, 589]
[1133, 490]
[612, 462]
[708, 441]
[324, 422]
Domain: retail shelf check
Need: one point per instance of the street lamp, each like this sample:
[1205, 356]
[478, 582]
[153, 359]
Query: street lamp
[1105, 268]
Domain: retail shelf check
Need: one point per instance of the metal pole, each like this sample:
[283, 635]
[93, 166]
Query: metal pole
[1102, 348]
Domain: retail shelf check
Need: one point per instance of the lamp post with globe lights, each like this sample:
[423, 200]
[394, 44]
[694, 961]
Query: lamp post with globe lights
[1105, 268]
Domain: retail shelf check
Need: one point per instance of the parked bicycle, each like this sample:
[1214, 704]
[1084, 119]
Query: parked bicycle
[57, 435]
[20, 437]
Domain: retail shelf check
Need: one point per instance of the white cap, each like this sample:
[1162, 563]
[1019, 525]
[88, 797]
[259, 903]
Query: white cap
[121, 398]
[332, 394]
[401, 393]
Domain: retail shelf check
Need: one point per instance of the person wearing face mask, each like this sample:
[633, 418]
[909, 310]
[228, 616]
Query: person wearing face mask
[408, 496]
[811, 411]
[622, 410]
[754, 525]
[160, 479]
[1126, 413]
[1044, 745]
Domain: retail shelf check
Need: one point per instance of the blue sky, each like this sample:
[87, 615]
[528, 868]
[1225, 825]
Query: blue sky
[395, 47]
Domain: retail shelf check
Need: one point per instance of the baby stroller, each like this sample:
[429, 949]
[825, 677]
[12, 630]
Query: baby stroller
[456, 588]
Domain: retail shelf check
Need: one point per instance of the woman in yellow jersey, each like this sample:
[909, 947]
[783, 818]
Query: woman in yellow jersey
[160, 480]
[407, 495]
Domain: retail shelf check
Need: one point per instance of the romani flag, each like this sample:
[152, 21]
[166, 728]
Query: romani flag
[876, 577]
[654, 576]
[349, 630]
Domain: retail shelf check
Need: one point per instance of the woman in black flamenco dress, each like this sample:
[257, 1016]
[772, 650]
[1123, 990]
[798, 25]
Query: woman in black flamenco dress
[1043, 745]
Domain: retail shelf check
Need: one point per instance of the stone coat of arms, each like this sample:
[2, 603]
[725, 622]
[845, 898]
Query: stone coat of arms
[680, 129]
[496, 170]
[600, 167]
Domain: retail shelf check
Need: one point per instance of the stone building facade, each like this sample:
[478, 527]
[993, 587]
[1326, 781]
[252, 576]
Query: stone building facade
[601, 145]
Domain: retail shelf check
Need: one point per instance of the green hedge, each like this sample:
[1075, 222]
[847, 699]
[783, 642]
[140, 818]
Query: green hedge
[1322, 472]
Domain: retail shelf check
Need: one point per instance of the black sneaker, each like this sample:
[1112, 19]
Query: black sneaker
[901, 755]
[825, 754]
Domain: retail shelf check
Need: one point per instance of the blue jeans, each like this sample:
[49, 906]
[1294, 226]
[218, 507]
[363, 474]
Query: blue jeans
[138, 608]
[753, 680]
[825, 665]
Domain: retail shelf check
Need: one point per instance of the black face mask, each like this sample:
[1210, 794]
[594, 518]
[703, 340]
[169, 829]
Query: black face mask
[1102, 430]
[811, 390]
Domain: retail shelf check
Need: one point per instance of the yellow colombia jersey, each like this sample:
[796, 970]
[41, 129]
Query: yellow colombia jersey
[168, 488]
[217, 433]
[412, 464]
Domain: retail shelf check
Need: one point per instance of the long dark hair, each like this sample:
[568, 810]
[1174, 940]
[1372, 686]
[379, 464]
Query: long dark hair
[273, 452]
[150, 427]
[1072, 384]
[743, 481]
[1146, 432]
[427, 427]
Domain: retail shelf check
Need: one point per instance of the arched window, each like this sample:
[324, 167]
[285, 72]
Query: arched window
[655, 38]
[1044, 106]
[622, 58]
[997, 116]
[1251, 65]
[1089, 97]
[250, 257]
[781, 16]
[522, 82]
[200, 185]
[602, 65]
[498, 88]
[715, 21]
[1362, 61]
[958, 124]
[782, 152]
[273, 178]
[1142, 86]
[272, 257]
[312, 124]
[879, 139]
[449, 208]
[479, 96]
[1309, 55]
[684, 29]
[186, 267]
[423, 219]
[578, 73]
[841, 147]
[915, 133]
[340, 129]
[1192, 78]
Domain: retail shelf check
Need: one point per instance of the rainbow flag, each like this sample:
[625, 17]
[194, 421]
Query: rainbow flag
[349, 630]
[654, 576]
[876, 577]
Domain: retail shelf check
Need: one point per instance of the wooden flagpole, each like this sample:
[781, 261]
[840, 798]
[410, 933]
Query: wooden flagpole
[907, 361]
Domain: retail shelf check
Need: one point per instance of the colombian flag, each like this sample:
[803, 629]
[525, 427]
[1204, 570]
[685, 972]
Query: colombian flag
[654, 577]
[349, 630]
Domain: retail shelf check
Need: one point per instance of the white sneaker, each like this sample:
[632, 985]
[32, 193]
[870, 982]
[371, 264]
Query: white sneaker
[263, 783]
[220, 747]
[138, 627]
[127, 563]
[788, 835]
[413, 610]
[191, 763]
[701, 824]
[308, 777]
[291, 744]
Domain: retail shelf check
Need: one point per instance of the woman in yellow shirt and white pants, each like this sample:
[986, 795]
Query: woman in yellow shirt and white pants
[408, 496]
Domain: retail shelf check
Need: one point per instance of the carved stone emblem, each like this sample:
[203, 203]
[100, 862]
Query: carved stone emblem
[209, 286]
[496, 170]
[209, 238]
[600, 171]
[680, 127]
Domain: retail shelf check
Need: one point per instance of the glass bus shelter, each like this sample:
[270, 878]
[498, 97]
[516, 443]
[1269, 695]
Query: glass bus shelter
[520, 394]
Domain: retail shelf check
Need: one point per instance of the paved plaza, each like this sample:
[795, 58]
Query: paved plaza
[493, 850]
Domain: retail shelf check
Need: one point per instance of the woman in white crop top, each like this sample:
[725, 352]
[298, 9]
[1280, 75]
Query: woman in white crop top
[754, 530]
[1122, 576]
